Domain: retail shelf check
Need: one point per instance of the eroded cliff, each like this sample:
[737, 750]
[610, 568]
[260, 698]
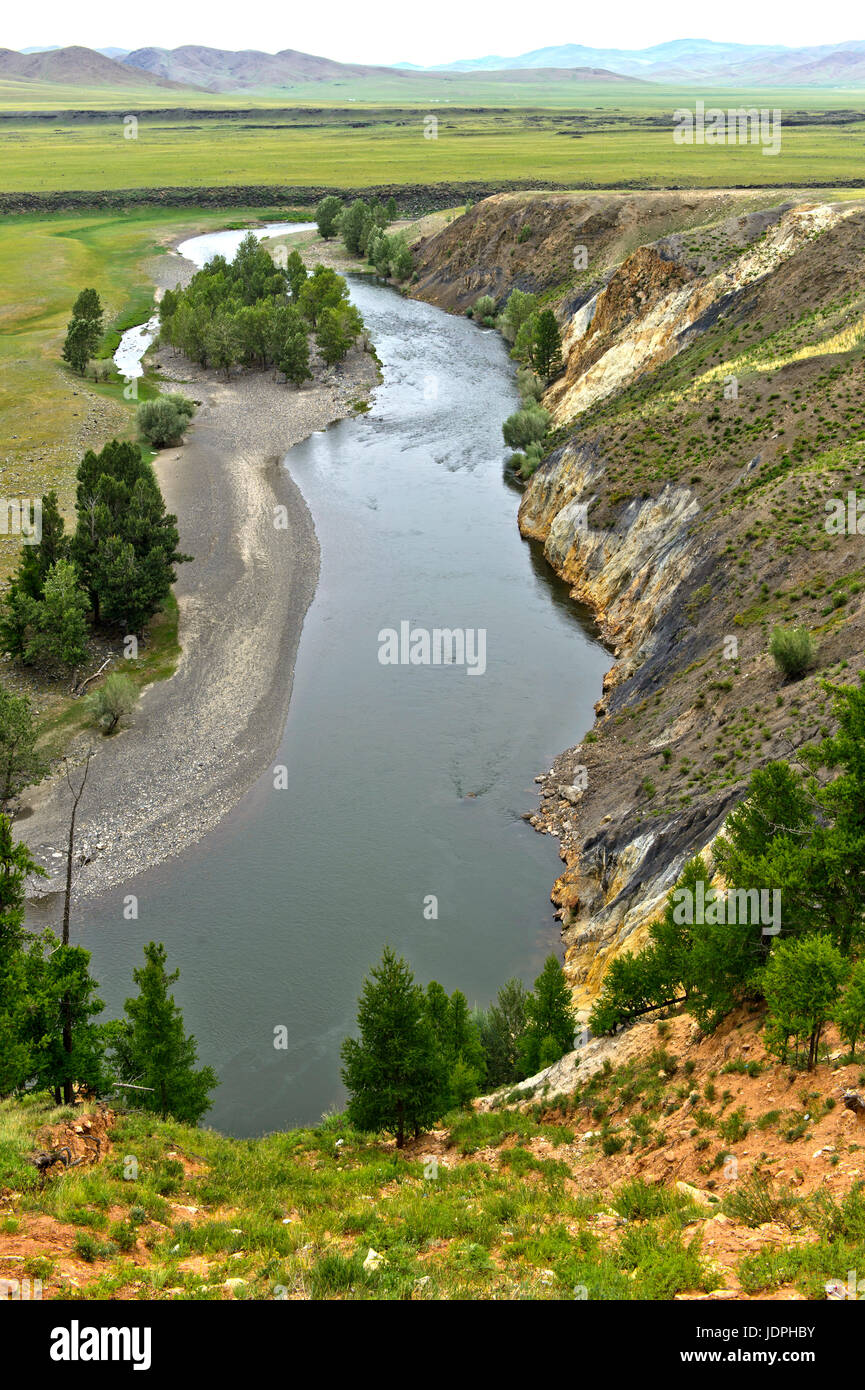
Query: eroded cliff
[706, 414]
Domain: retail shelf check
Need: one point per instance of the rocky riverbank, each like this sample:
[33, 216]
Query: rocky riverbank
[704, 418]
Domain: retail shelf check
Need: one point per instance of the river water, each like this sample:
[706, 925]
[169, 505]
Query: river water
[400, 820]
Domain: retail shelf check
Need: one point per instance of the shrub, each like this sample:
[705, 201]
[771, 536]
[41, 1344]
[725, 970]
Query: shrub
[485, 307]
[529, 384]
[112, 701]
[526, 427]
[793, 651]
[163, 421]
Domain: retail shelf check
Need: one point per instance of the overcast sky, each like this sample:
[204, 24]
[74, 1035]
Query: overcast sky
[390, 31]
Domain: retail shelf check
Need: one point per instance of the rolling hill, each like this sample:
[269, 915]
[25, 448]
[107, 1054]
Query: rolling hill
[76, 66]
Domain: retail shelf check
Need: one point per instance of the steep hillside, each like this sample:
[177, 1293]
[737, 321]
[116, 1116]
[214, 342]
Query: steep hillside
[708, 412]
[656, 1165]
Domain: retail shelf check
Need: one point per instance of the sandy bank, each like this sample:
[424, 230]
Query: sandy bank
[198, 741]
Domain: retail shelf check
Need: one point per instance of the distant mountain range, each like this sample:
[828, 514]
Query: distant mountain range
[695, 60]
[197, 68]
[689, 62]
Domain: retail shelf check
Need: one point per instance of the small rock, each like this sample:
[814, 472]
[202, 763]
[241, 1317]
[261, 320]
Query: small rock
[373, 1259]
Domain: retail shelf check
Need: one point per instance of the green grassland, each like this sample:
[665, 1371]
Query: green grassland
[48, 415]
[420, 90]
[357, 148]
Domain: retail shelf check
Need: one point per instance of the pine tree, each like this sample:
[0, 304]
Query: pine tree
[501, 1028]
[89, 306]
[80, 343]
[68, 1047]
[53, 545]
[547, 344]
[392, 1071]
[151, 1049]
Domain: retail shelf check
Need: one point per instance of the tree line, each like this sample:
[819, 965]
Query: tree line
[50, 1037]
[421, 1053]
[361, 226]
[259, 314]
[800, 832]
[536, 344]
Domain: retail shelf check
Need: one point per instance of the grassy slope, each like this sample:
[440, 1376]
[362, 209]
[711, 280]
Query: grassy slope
[528, 1203]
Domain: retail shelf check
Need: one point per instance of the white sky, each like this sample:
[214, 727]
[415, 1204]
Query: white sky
[403, 30]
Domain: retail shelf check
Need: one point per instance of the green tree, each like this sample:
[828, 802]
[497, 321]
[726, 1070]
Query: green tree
[151, 1049]
[82, 340]
[547, 344]
[327, 214]
[20, 764]
[68, 1046]
[125, 543]
[296, 272]
[801, 984]
[337, 330]
[550, 1021]
[459, 1049]
[89, 306]
[390, 208]
[392, 1071]
[53, 545]
[355, 225]
[222, 345]
[16, 1057]
[501, 1028]
[293, 358]
[59, 635]
[850, 1013]
[324, 289]
[520, 306]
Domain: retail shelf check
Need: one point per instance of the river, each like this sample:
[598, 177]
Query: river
[400, 818]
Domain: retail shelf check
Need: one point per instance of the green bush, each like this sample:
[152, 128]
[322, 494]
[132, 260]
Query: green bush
[112, 701]
[793, 651]
[526, 427]
[163, 421]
